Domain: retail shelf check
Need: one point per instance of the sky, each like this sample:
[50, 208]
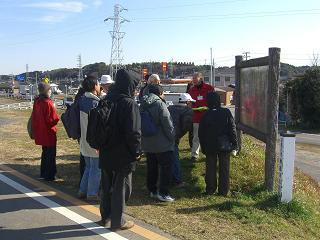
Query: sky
[51, 34]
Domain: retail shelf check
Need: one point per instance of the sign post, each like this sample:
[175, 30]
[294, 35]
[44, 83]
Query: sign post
[286, 167]
[257, 102]
[145, 72]
[164, 69]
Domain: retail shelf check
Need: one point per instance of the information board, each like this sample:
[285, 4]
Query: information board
[253, 101]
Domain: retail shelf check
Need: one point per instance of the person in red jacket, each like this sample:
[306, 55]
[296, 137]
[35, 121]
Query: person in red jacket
[198, 92]
[44, 121]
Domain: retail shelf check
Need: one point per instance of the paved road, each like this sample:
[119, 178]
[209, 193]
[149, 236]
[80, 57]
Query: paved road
[30, 212]
[309, 163]
[313, 139]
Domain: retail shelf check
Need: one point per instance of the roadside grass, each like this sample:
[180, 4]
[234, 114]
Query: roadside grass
[248, 212]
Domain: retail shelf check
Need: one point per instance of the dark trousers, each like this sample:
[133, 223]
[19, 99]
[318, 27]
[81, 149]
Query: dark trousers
[190, 137]
[48, 168]
[159, 164]
[82, 166]
[211, 172]
[116, 188]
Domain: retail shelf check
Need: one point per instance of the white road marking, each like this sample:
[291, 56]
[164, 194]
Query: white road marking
[86, 223]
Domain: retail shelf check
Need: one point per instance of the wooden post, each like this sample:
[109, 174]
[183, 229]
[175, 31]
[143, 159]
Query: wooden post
[272, 117]
[237, 99]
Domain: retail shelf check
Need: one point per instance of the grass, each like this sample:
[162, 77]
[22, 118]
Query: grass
[248, 212]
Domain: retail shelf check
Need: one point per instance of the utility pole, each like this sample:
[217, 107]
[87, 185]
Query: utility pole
[246, 55]
[37, 81]
[211, 67]
[116, 37]
[80, 74]
[171, 68]
[27, 72]
[214, 73]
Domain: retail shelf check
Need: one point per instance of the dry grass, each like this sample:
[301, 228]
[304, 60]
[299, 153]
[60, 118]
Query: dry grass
[5, 100]
[248, 213]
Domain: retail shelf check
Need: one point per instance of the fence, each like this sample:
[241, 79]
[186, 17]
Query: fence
[22, 105]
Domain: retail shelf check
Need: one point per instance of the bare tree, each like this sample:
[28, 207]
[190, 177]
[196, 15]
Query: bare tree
[315, 60]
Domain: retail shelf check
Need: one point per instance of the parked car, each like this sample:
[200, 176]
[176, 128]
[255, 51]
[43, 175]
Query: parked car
[67, 101]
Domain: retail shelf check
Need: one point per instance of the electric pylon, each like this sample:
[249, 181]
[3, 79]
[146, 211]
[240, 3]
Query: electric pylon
[116, 37]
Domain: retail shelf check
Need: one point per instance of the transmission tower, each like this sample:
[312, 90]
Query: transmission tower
[116, 37]
[246, 55]
[80, 74]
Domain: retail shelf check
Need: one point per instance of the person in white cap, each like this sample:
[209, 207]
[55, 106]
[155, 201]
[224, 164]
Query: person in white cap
[181, 114]
[105, 83]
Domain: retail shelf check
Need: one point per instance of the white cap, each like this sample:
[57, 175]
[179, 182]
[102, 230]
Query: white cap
[105, 79]
[185, 97]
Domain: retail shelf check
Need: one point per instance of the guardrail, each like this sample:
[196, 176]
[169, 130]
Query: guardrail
[15, 106]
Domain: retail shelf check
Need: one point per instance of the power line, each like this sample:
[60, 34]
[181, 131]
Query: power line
[232, 15]
[188, 5]
[54, 36]
[71, 27]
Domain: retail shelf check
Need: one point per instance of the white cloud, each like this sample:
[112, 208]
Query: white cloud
[70, 6]
[52, 18]
[97, 3]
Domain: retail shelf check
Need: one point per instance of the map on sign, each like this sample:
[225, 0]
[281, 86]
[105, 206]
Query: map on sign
[254, 97]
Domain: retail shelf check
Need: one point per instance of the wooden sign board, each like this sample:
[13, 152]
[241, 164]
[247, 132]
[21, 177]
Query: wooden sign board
[257, 102]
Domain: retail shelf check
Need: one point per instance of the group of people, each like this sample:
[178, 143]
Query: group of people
[106, 173]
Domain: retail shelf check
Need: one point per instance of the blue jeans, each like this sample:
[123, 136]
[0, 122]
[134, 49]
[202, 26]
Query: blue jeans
[90, 180]
[176, 168]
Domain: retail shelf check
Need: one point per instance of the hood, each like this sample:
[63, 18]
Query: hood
[126, 82]
[91, 95]
[213, 100]
[41, 97]
[149, 99]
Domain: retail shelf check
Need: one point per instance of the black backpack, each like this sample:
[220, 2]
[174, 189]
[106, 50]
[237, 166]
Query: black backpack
[102, 125]
[71, 121]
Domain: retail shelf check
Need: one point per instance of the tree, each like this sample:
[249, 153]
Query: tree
[305, 99]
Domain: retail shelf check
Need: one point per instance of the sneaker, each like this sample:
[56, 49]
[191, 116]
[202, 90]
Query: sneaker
[154, 195]
[93, 198]
[126, 226]
[82, 195]
[104, 222]
[165, 198]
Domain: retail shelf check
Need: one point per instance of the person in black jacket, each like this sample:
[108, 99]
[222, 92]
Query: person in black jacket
[216, 122]
[118, 161]
[181, 114]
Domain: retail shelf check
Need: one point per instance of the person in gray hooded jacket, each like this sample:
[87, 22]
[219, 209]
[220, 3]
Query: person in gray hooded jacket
[159, 147]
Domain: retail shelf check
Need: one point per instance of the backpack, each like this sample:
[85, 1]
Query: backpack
[71, 121]
[148, 126]
[102, 125]
[29, 127]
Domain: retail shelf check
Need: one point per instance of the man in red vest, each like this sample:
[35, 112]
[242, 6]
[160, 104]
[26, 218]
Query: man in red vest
[198, 92]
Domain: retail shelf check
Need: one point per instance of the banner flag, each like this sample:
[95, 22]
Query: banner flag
[21, 77]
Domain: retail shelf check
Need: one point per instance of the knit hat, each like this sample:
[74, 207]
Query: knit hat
[43, 88]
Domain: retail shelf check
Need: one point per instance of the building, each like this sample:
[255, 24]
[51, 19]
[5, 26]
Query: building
[221, 79]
